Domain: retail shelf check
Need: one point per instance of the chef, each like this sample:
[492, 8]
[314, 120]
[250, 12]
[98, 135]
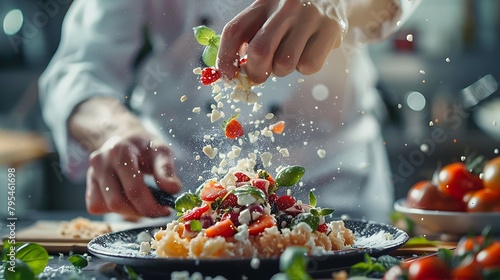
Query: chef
[112, 97]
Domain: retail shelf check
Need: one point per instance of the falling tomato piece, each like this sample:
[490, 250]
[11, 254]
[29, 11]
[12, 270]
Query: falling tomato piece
[234, 129]
[209, 75]
[278, 127]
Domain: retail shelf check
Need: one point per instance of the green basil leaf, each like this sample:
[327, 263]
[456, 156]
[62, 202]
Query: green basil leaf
[257, 194]
[290, 176]
[203, 34]
[195, 225]
[209, 55]
[187, 201]
[18, 270]
[34, 255]
[308, 218]
[132, 275]
[312, 199]
[446, 255]
[314, 211]
[215, 41]
[326, 211]
[78, 261]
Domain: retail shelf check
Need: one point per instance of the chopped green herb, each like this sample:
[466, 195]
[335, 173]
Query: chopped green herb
[290, 176]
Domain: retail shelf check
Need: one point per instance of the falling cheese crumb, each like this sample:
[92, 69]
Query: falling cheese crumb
[216, 115]
[183, 98]
[284, 152]
[266, 158]
[321, 153]
[196, 109]
[210, 152]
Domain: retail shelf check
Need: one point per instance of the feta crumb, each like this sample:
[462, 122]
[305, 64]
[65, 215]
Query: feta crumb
[223, 163]
[200, 178]
[220, 104]
[300, 80]
[255, 263]
[266, 132]
[218, 97]
[256, 107]
[321, 153]
[183, 98]
[284, 152]
[303, 226]
[266, 158]
[210, 152]
[215, 115]
[196, 110]
[253, 136]
[145, 248]
[244, 217]
[269, 116]
[197, 157]
[197, 70]
[216, 88]
[143, 237]
[255, 215]
[242, 233]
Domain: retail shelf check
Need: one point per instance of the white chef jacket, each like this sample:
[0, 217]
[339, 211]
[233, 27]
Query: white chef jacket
[336, 110]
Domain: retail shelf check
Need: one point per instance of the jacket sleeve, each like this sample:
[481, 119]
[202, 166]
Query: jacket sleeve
[99, 41]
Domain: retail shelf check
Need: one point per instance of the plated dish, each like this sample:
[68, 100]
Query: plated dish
[122, 248]
[450, 222]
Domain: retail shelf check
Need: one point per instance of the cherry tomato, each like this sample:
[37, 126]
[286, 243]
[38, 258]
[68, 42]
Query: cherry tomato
[284, 202]
[425, 195]
[195, 213]
[489, 257]
[234, 129]
[429, 268]
[455, 180]
[467, 269]
[212, 190]
[468, 245]
[484, 200]
[231, 200]
[491, 172]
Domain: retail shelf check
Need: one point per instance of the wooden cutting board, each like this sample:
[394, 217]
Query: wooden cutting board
[48, 234]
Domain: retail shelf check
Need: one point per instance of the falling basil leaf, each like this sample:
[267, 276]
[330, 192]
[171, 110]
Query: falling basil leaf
[78, 261]
[34, 255]
[186, 201]
[290, 176]
[20, 271]
[203, 34]
[312, 199]
[326, 211]
[209, 55]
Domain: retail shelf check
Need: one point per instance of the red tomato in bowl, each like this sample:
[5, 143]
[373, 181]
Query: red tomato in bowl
[484, 200]
[427, 196]
[491, 172]
[454, 179]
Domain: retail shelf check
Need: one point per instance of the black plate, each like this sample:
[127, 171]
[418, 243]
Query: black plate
[121, 248]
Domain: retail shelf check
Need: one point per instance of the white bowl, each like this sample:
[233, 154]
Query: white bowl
[448, 222]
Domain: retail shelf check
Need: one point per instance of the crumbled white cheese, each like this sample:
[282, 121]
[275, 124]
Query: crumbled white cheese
[256, 215]
[321, 153]
[218, 97]
[215, 115]
[183, 98]
[242, 233]
[266, 132]
[200, 178]
[143, 237]
[253, 136]
[244, 217]
[284, 152]
[300, 80]
[145, 248]
[266, 158]
[210, 152]
[220, 104]
[272, 230]
[302, 226]
[223, 163]
[197, 70]
[269, 116]
[216, 88]
[196, 109]
[256, 107]
[255, 263]
[197, 157]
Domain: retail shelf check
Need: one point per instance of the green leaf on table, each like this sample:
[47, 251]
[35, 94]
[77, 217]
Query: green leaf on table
[373, 265]
[132, 275]
[19, 271]
[34, 255]
[420, 241]
[78, 261]
[203, 34]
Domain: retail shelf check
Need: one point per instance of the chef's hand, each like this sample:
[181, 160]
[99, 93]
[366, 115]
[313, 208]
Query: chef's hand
[123, 151]
[282, 36]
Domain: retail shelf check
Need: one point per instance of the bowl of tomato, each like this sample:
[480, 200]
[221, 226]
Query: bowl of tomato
[461, 198]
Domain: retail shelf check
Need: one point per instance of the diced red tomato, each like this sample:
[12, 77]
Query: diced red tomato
[195, 213]
[209, 75]
[212, 190]
[323, 228]
[272, 198]
[230, 200]
[261, 184]
[278, 127]
[234, 129]
[285, 201]
[241, 177]
[263, 222]
[224, 228]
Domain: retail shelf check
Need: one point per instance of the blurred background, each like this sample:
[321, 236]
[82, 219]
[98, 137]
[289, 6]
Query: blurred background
[438, 78]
